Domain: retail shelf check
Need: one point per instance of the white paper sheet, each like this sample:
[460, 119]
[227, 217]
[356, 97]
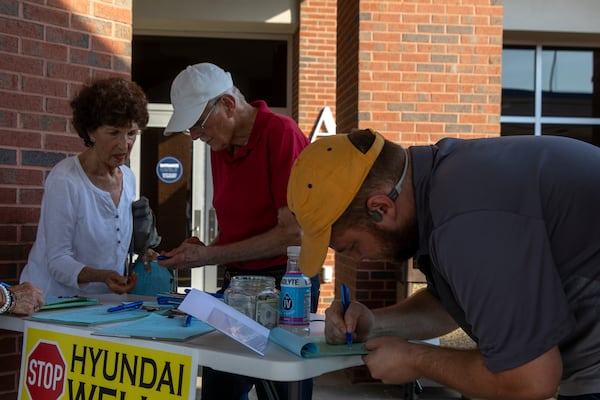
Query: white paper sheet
[226, 319]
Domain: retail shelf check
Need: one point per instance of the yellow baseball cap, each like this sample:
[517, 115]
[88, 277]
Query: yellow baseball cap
[323, 181]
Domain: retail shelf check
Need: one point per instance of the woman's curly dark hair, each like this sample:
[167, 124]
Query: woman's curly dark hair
[109, 101]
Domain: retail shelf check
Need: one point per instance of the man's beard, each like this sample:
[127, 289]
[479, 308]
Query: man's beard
[398, 245]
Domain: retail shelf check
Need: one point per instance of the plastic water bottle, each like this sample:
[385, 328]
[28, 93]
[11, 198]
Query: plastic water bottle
[294, 298]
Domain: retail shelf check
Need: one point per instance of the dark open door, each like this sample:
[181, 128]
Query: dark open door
[169, 198]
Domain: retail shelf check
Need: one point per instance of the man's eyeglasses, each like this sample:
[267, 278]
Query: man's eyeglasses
[200, 125]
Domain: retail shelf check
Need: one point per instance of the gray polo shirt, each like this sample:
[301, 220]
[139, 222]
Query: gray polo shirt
[510, 243]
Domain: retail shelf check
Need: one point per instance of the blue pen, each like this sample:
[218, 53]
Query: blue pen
[128, 306]
[346, 304]
[162, 257]
[188, 320]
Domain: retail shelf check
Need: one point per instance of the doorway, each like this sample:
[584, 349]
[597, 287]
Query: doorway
[169, 198]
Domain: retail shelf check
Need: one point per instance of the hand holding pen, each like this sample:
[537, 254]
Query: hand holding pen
[346, 304]
[191, 253]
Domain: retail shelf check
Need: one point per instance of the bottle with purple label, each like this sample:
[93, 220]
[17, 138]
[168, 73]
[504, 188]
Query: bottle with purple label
[294, 298]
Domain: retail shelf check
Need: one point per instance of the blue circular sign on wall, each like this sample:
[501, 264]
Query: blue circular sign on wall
[169, 169]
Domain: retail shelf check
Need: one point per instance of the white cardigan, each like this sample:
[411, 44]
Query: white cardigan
[79, 226]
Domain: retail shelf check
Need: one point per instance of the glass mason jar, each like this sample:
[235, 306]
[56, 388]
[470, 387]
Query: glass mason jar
[254, 296]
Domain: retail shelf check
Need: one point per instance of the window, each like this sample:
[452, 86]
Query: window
[551, 91]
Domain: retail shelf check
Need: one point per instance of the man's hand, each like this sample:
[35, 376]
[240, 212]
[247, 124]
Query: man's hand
[389, 359]
[358, 320]
[191, 253]
[395, 361]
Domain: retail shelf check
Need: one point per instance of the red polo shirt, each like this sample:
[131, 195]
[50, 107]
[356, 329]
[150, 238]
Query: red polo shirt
[251, 185]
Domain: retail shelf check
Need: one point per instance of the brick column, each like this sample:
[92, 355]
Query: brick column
[45, 54]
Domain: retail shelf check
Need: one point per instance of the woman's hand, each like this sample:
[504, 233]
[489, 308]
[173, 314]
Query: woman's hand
[28, 299]
[118, 283]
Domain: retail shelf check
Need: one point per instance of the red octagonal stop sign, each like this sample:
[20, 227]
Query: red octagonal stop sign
[46, 368]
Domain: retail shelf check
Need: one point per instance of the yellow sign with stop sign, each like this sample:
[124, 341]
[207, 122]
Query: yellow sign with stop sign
[61, 363]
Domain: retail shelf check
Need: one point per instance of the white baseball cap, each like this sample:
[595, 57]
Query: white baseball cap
[191, 90]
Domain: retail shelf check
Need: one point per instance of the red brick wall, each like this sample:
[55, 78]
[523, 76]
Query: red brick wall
[316, 60]
[425, 69]
[10, 363]
[419, 70]
[46, 50]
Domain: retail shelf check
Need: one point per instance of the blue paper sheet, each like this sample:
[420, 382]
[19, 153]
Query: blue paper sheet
[313, 346]
[158, 327]
[93, 315]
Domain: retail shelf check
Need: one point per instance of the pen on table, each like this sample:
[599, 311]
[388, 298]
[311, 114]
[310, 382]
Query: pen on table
[188, 320]
[128, 306]
[418, 387]
[346, 304]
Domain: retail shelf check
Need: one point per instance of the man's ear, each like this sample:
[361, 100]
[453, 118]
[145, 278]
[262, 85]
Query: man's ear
[380, 206]
[229, 103]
